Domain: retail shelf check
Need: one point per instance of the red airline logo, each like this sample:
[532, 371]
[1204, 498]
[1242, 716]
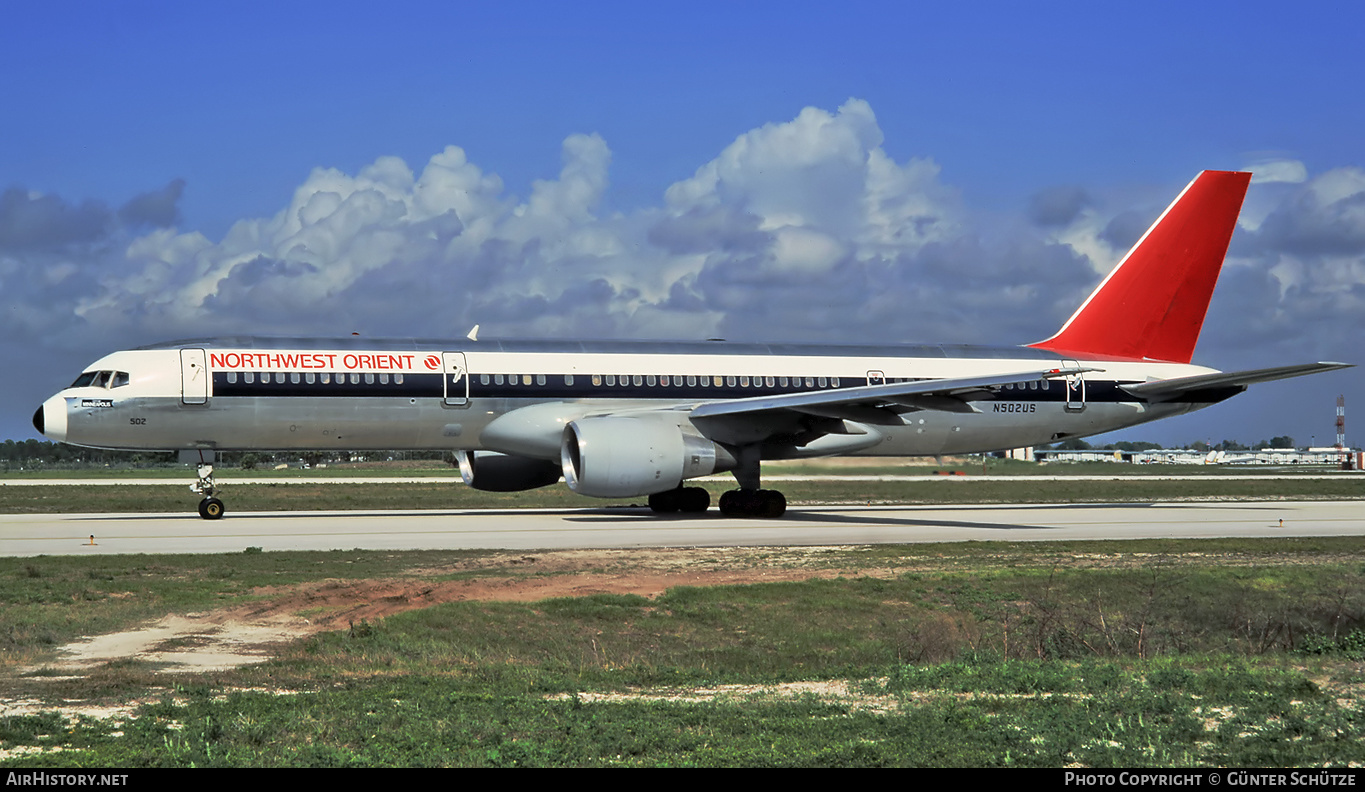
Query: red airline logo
[313, 361]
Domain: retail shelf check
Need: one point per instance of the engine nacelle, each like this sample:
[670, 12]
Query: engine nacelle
[625, 456]
[493, 472]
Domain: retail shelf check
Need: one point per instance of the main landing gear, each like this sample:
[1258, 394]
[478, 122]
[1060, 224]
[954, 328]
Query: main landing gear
[210, 508]
[747, 501]
[735, 503]
[751, 500]
[689, 500]
[753, 503]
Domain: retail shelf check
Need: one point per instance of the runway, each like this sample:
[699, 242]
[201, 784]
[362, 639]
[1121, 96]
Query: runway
[455, 478]
[71, 534]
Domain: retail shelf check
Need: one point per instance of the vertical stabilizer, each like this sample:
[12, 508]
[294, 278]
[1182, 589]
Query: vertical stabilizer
[1152, 305]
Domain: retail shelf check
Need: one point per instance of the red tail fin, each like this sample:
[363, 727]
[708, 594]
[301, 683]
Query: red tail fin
[1152, 304]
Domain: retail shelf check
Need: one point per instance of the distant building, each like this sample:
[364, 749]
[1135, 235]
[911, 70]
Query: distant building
[1185, 456]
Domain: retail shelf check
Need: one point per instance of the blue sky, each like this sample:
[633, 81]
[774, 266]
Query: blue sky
[871, 171]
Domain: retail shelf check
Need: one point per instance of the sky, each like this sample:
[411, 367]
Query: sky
[859, 172]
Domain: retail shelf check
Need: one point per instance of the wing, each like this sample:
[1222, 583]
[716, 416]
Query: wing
[1174, 389]
[881, 404]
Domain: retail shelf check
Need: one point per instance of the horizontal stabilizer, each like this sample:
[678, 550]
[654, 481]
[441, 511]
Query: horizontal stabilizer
[1168, 390]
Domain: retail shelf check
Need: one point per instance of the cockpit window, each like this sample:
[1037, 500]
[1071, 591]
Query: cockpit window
[102, 379]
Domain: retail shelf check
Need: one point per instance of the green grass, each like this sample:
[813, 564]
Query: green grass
[1160, 653]
[1105, 715]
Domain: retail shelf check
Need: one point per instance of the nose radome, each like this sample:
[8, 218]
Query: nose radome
[50, 420]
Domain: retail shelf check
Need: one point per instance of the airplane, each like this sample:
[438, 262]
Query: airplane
[618, 419]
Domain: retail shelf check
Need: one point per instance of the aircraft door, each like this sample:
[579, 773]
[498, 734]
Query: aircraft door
[1075, 387]
[456, 378]
[194, 377]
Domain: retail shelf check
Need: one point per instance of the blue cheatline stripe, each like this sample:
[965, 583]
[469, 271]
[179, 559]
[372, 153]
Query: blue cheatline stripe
[430, 386]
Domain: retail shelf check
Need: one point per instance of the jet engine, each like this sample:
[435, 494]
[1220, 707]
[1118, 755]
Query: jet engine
[493, 472]
[625, 456]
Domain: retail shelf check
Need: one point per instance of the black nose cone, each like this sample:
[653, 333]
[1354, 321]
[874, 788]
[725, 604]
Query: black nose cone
[38, 420]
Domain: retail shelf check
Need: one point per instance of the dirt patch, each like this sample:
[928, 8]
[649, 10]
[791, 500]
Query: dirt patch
[249, 633]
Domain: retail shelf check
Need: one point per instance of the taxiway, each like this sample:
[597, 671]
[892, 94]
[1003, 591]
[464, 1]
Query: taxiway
[98, 534]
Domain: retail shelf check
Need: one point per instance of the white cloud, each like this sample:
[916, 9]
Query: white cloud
[805, 229]
[1279, 170]
[417, 253]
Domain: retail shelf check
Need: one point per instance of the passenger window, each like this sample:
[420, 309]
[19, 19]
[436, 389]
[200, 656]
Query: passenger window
[397, 379]
[540, 379]
[326, 378]
[483, 379]
[834, 382]
[497, 379]
[369, 379]
[383, 378]
[293, 377]
[309, 377]
[568, 379]
[611, 379]
[810, 382]
[730, 381]
[636, 380]
[355, 379]
[232, 376]
[743, 382]
[525, 379]
[663, 380]
[691, 380]
[824, 382]
[249, 377]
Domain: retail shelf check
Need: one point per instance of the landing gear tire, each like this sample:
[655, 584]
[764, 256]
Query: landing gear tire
[769, 504]
[664, 502]
[695, 500]
[689, 500]
[210, 508]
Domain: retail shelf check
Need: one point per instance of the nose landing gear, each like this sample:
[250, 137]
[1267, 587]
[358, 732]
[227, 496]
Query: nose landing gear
[210, 508]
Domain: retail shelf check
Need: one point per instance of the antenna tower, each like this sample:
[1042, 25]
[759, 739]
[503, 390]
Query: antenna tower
[1341, 428]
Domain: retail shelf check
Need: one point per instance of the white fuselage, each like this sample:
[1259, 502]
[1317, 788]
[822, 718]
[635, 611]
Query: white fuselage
[299, 394]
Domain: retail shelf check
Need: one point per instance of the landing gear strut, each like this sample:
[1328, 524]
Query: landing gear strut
[210, 508]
